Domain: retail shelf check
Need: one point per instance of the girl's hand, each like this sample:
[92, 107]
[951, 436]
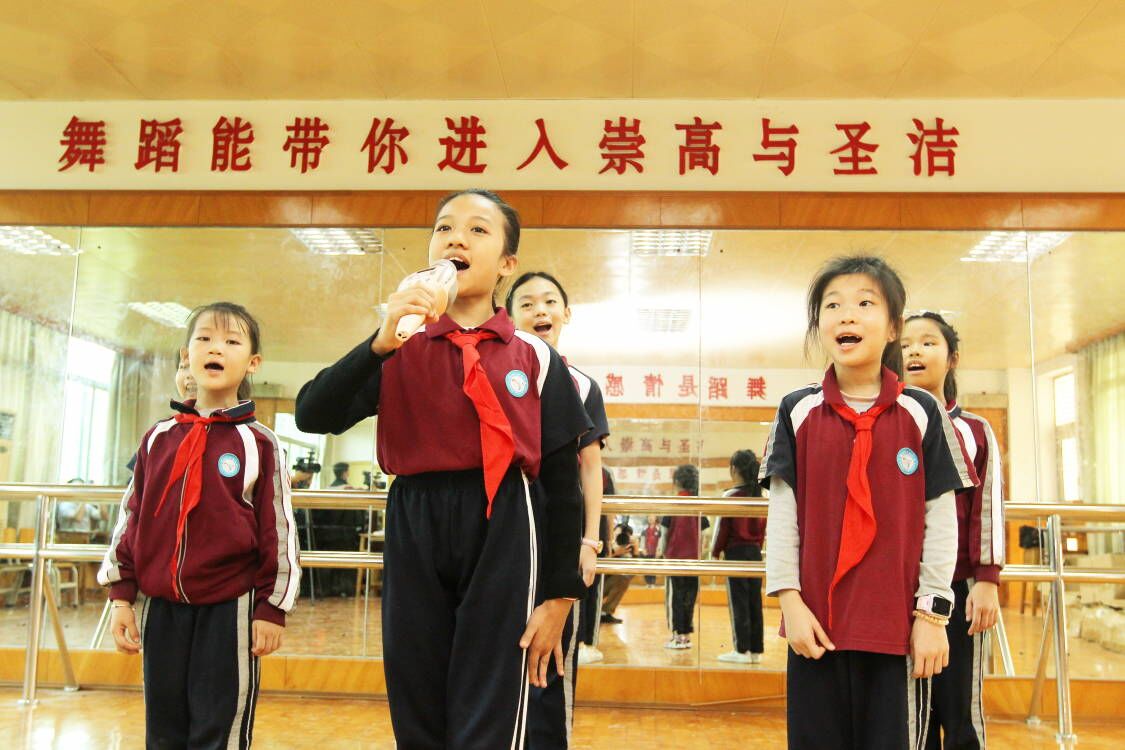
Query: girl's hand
[123, 625]
[543, 637]
[929, 646]
[982, 607]
[416, 300]
[267, 637]
[588, 564]
[802, 629]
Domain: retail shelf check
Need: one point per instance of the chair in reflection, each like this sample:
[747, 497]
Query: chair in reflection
[15, 575]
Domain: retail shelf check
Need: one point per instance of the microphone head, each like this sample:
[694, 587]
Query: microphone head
[442, 274]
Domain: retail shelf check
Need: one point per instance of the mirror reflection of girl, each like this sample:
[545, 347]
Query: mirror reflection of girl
[540, 306]
[185, 383]
[742, 539]
[471, 413]
[931, 354]
[863, 527]
[185, 391]
[682, 542]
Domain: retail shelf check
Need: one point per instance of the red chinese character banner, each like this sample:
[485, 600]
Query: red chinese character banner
[823, 145]
[702, 387]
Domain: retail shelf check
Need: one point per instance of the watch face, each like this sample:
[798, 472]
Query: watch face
[942, 607]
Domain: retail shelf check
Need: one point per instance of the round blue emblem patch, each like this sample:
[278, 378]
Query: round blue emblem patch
[907, 461]
[229, 464]
[516, 381]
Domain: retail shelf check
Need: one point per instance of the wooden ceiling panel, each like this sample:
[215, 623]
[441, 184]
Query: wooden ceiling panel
[582, 49]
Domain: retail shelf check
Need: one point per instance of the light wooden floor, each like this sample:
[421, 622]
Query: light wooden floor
[335, 627]
[114, 720]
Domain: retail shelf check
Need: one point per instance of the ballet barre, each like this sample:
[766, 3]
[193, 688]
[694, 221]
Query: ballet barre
[44, 551]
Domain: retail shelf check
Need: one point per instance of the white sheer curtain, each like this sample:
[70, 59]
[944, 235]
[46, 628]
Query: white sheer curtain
[128, 389]
[1102, 429]
[32, 387]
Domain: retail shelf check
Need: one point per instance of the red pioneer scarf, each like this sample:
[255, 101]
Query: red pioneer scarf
[188, 465]
[497, 445]
[858, 530]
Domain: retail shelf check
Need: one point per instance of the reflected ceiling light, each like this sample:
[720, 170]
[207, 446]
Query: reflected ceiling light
[1014, 247]
[33, 241]
[341, 241]
[670, 242]
[171, 314]
[663, 320]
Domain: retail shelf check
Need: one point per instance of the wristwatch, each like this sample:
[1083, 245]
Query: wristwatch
[935, 605]
[595, 544]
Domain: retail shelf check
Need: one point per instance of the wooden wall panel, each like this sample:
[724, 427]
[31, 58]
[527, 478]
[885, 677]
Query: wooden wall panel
[960, 211]
[727, 210]
[407, 209]
[255, 209]
[144, 209]
[583, 209]
[1074, 212]
[718, 210]
[44, 207]
[831, 210]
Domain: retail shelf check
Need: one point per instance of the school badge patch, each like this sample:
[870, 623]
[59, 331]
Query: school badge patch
[229, 464]
[516, 381]
[907, 461]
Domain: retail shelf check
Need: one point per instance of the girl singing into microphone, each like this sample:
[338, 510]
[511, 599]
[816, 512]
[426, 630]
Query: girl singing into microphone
[474, 418]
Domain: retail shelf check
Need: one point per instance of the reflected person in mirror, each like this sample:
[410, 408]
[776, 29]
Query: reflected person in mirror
[185, 389]
[480, 424]
[931, 354]
[861, 473]
[742, 539]
[205, 545]
[682, 542]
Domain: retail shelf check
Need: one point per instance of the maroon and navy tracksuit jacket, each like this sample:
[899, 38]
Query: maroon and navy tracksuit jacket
[239, 537]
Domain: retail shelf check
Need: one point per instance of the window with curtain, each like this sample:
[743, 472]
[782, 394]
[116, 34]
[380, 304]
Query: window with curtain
[89, 377]
[1102, 427]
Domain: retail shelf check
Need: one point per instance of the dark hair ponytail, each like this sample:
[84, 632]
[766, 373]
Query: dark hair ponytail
[686, 477]
[889, 283]
[952, 342]
[745, 466]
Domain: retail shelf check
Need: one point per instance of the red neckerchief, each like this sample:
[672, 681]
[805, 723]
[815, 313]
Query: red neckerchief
[497, 444]
[188, 465]
[859, 527]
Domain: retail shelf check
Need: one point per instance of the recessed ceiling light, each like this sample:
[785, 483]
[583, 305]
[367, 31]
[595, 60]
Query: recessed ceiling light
[341, 241]
[1014, 247]
[670, 241]
[171, 314]
[33, 241]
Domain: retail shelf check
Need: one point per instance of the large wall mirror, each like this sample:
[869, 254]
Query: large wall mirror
[694, 337]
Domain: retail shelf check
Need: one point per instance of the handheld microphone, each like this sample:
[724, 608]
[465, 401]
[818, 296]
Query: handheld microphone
[441, 278]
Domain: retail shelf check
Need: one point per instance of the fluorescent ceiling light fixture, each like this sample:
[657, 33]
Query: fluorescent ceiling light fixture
[1014, 247]
[33, 241]
[663, 320]
[670, 241]
[341, 241]
[171, 314]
